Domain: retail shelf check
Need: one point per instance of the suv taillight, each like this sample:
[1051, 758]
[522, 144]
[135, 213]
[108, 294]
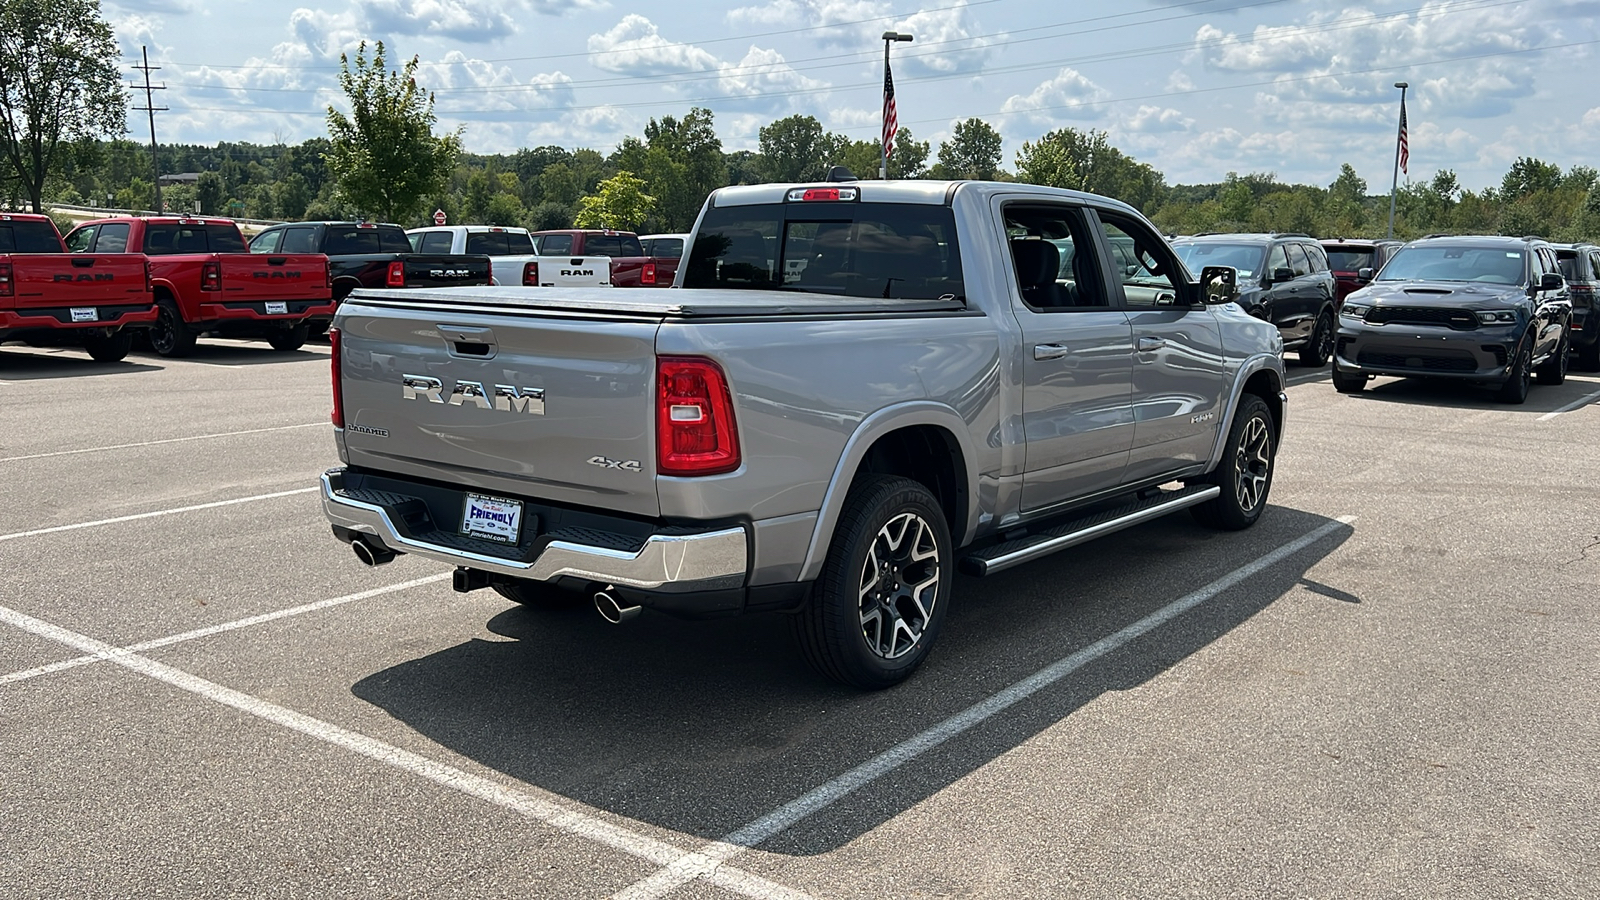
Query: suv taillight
[338, 369]
[5, 280]
[530, 274]
[648, 276]
[211, 276]
[695, 430]
[397, 274]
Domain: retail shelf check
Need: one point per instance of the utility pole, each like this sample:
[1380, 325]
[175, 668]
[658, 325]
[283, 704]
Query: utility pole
[150, 107]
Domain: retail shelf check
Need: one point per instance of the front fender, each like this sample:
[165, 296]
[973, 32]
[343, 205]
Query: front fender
[873, 427]
[1258, 363]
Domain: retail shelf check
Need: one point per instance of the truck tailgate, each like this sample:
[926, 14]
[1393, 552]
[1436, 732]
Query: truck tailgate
[516, 405]
[264, 276]
[446, 270]
[50, 280]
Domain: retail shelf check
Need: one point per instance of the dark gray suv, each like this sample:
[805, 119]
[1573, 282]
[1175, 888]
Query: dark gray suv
[1580, 265]
[1283, 278]
[1491, 310]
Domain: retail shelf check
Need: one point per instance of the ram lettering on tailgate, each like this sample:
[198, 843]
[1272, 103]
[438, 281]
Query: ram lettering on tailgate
[505, 397]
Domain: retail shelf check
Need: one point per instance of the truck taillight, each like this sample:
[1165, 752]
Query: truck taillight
[5, 280]
[211, 276]
[338, 370]
[397, 274]
[648, 276]
[530, 274]
[149, 284]
[695, 430]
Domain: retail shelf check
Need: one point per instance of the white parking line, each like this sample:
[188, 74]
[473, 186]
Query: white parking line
[559, 816]
[152, 515]
[197, 437]
[198, 633]
[1576, 404]
[713, 855]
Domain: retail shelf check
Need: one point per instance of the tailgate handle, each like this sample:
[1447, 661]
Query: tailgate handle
[577, 262]
[276, 260]
[469, 341]
[83, 262]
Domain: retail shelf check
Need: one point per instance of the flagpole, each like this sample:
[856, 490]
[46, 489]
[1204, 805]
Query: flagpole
[1395, 184]
[889, 37]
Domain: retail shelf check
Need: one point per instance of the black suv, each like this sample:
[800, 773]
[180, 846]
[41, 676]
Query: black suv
[1283, 278]
[1580, 265]
[1348, 258]
[1491, 310]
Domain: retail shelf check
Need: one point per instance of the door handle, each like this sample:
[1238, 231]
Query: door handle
[1149, 344]
[1049, 351]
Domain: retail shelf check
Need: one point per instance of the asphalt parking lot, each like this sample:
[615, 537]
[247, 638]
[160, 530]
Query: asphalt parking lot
[1385, 689]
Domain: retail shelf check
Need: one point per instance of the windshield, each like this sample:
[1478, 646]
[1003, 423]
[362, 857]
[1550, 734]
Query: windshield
[1244, 257]
[1349, 260]
[886, 250]
[1493, 265]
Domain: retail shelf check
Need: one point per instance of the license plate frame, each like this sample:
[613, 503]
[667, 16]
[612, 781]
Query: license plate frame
[497, 519]
[277, 307]
[84, 313]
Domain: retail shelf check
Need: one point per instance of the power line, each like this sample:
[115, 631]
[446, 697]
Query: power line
[151, 108]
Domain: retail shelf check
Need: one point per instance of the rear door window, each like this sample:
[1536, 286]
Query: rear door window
[300, 240]
[35, 237]
[79, 240]
[267, 242]
[1298, 261]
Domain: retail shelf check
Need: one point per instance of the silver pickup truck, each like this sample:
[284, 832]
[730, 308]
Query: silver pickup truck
[855, 390]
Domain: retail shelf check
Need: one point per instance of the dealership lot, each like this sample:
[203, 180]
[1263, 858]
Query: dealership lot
[1384, 689]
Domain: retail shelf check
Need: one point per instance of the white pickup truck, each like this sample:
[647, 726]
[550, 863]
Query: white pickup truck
[512, 256]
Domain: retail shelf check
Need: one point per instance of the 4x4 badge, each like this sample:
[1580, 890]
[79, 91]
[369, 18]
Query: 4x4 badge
[626, 465]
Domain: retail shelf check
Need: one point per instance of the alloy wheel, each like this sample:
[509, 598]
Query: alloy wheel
[899, 585]
[1252, 463]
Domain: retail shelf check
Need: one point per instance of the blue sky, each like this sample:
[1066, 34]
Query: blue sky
[1196, 89]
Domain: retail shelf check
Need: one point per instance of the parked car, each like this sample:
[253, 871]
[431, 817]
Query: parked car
[1283, 278]
[206, 283]
[665, 251]
[836, 411]
[512, 256]
[51, 298]
[1348, 257]
[1580, 266]
[365, 254]
[1490, 310]
[630, 267]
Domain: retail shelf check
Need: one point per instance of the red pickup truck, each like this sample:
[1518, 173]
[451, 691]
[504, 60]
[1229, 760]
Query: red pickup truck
[630, 265]
[206, 282]
[50, 298]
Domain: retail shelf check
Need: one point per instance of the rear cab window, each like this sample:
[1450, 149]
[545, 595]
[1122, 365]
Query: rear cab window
[439, 242]
[498, 243]
[554, 245]
[666, 248]
[613, 245]
[167, 238]
[886, 250]
[1350, 259]
[30, 237]
[352, 240]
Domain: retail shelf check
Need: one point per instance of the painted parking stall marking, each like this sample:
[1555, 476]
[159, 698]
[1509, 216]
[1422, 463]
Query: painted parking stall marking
[195, 437]
[151, 515]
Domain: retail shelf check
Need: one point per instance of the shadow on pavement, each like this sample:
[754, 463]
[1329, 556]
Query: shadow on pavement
[23, 365]
[224, 352]
[703, 727]
[1542, 398]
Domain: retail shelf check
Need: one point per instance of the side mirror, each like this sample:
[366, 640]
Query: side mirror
[1550, 281]
[1282, 275]
[1365, 273]
[1219, 284]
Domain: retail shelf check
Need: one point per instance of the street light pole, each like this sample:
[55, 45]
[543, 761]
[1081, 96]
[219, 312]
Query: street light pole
[1395, 184]
[889, 37]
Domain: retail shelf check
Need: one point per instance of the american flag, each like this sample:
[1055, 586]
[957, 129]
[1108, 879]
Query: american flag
[891, 123]
[1405, 148]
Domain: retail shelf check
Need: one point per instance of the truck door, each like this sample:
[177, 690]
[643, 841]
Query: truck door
[1077, 356]
[1177, 355]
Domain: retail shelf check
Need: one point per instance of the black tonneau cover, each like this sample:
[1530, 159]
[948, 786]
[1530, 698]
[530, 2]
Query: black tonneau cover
[672, 304]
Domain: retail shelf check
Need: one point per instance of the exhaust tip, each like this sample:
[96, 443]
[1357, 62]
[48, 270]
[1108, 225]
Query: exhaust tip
[612, 610]
[371, 554]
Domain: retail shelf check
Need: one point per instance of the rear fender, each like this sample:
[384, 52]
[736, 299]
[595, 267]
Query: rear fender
[873, 427]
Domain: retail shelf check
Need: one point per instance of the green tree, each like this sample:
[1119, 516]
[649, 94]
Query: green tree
[559, 184]
[549, 215]
[209, 191]
[798, 149]
[862, 158]
[973, 151]
[291, 196]
[1086, 161]
[619, 202]
[384, 155]
[59, 86]
[1528, 176]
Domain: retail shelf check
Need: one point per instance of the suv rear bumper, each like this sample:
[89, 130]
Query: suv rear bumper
[666, 561]
[1482, 354]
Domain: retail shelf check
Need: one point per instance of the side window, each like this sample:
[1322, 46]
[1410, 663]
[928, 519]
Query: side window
[1298, 261]
[1594, 266]
[1319, 259]
[555, 245]
[1276, 260]
[439, 242]
[1146, 267]
[267, 242]
[1053, 255]
[79, 241]
[300, 240]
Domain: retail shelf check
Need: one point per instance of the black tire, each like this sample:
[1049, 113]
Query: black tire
[108, 348]
[1348, 382]
[538, 595]
[1245, 473]
[1589, 357]
[293, 339]
[890, 551]
[1514, 389]
[1319, 347]
[171, 336]
[1554, 370]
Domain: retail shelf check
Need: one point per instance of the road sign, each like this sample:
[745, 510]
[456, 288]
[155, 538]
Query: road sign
[438, 217]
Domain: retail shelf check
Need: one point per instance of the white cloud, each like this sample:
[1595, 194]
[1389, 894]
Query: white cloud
[635, 47]
[1066, 96]
[947, 40]
[831, 23]
[765, 81]
[1152, 119]
[472, 21]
